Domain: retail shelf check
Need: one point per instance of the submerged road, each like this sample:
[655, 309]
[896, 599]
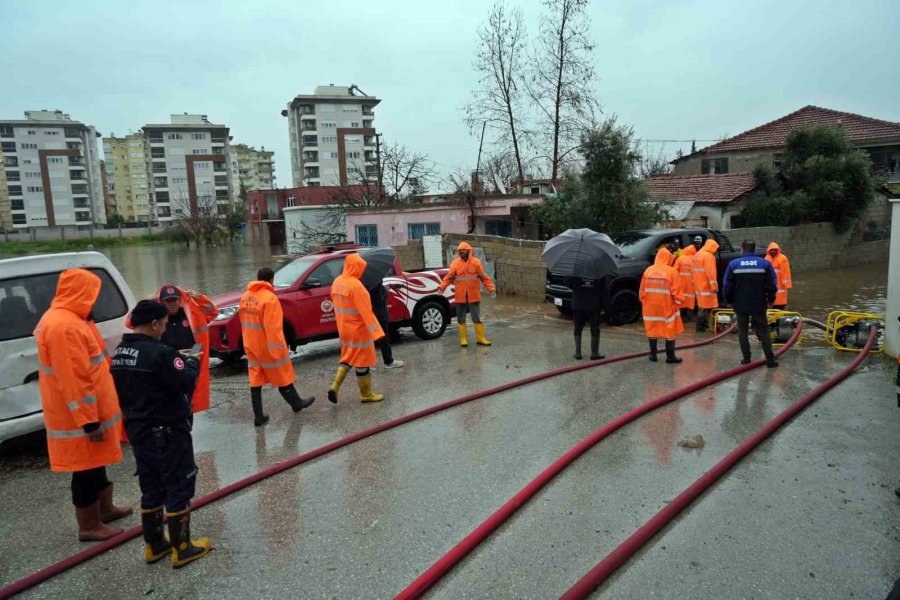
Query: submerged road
[811, 514]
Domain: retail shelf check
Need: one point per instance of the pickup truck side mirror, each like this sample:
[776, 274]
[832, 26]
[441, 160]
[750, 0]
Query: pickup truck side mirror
[310, 284]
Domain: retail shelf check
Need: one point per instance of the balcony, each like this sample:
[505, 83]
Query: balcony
[310, 142]
[76, 161]
[79, 190]
[156, 153]
[218, 150]
[80, 203]
[311, 173]
[82, 217]
[217, 140]
[307, 109]
[221, 180]
[310, 157]
[368, 111]
[159, 168]
[894, 176]
[73, 133]
[307, 125]
[156, 139]
[77, 176]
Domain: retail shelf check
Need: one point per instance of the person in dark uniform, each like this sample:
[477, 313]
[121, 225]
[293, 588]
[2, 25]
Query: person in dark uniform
[587, 299]
[154, 383]
[379, 306]
[750, 285]
[178, 333]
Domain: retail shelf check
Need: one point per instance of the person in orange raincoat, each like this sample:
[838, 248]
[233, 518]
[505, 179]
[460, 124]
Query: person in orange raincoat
[268, 355]
[706, 283]
[782, 267]
[661, 297]
[190, 314]
[467, 274]
[358, 329]
[81, 409]
[684, 264]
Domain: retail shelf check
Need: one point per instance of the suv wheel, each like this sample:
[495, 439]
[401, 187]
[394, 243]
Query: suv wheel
[565, 310]
[624, 307]
[429, 320]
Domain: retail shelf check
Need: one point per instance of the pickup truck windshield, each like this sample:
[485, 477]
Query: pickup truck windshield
[634, 244]
[288, 275]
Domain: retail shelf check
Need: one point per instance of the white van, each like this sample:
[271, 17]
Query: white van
[27, 286]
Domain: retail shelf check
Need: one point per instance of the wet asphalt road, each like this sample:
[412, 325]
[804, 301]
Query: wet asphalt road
[811, 514]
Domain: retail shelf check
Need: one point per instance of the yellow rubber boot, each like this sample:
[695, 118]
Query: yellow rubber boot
[336, 384]
[156, 545]
[184, 549]
[479, 335]
[365, 389]
[463, 336]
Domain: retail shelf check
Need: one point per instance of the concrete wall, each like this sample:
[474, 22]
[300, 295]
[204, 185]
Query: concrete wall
[518, 266]
[738, 162]
[892, 332]
[43, 234]
[411, 255]
[393, 224]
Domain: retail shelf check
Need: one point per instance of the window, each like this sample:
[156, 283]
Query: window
[173, 136]
[164, 211]
[10, 161]
[57, 160]
[200, 151]
[32, 132]
[178, 180]
[198, 136]
[29, 146]
[329, 139]
[327, 272]
[136, 155]
[352, 139]
[498, 227]
[160, 182]
[72, 132]
[162, 196]
[367, 235]
[329, 124]
[32, 175]
[350, 109]
[13, 176]
[351, 123]
[53, 132]
[8, 146]
[354, 154]
[288, 275]
[14, 190]
[138, 175]
[6, 131]
[535, 190]
[17, 204]
[714, 166]
[202, 165]
[136, 144]
[73, 145]
[30, 161]
[418, 230]
[290, 200]
[35, 188]
[331, 155]
[19, 220]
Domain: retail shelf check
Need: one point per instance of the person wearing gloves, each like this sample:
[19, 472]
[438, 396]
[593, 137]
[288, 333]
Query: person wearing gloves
[466, 275]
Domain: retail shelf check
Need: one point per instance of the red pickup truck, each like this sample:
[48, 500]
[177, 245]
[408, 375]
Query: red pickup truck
[304, 288]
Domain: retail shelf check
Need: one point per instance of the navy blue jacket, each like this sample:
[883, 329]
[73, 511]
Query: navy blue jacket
[154, 384]
[587, 294]
[750, 284]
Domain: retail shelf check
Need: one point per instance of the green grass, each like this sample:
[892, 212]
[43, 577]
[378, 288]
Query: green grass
[50, 246]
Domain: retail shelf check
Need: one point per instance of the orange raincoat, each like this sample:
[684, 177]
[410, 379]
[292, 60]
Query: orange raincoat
[262, 326]
[684, 264]
[706, 285]
[467, 276]
[357, 325]
[76, 385]
[782, 272]
[661, 298]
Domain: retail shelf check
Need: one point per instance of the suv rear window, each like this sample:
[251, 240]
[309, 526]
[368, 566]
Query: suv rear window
[24, 300]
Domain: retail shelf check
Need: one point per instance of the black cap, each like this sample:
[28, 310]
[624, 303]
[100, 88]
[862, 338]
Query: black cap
[147, 311]
[168, 292]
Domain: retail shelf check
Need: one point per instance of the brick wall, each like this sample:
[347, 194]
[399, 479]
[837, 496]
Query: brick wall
[518, 267]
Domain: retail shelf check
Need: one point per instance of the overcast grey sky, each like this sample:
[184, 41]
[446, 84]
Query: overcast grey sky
[682, 69]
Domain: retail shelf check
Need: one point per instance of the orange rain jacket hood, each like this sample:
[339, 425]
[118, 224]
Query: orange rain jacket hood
[706, 283]
[661, 298]
[357, 325]
[782, 267]
[467, 277]
[76, 385]
[262, 329]
[684, 264]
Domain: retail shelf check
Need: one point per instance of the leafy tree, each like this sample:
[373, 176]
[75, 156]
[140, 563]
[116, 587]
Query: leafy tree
[823, 178]
[608, 195]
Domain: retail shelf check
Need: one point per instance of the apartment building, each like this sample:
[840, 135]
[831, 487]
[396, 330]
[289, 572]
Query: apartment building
[52, 171]
[5, 212]
[128, 182]
[254, 168]
[332, 137]
[189, 166]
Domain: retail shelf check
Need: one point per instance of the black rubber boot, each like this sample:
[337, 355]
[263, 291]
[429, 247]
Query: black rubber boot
[259, 418]
[653, 349]
[156, 545]
[184, 549]
[577, 346]
[297, 402]
[595, 348]
[670, 353]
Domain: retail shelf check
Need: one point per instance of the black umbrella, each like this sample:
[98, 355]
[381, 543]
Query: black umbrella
[581, 253]
[379, 264]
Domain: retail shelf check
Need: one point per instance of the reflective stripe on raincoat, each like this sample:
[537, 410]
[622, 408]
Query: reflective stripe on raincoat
[467, 277]
[684, 264]
[782, 272]
[262, 329]
[706, 284]
[661, 298]
[357, 325]
[76, 385]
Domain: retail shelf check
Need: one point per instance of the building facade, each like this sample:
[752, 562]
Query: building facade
[253, 168]
[332, 137]
[52, 170]
[5, 212]
[129, 192]
[189, 167]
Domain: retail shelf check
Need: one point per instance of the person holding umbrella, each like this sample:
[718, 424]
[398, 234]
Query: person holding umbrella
[467, 274]
[586, 257]
[661, 298]
[380, 264]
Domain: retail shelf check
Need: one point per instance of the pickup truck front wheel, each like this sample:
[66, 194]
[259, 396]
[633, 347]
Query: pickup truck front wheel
[624, 307]
[430, 320]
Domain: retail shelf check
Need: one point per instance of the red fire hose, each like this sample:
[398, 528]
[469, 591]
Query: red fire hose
[129, 534]
[426, 580]
[606, 567]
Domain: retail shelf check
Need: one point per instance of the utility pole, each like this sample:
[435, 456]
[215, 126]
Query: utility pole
[378, 159]
[478, 164]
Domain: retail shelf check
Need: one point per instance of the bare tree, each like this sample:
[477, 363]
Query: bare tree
[405, 173]
[652, 164]
[561, 79]
[498, 172]
[499, 62]
[204, 224]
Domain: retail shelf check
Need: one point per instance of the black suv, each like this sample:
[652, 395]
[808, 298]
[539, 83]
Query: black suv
[621, 304]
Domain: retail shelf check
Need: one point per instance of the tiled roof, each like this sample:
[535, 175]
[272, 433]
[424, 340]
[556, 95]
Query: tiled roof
[775, 133]
[701, 188]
